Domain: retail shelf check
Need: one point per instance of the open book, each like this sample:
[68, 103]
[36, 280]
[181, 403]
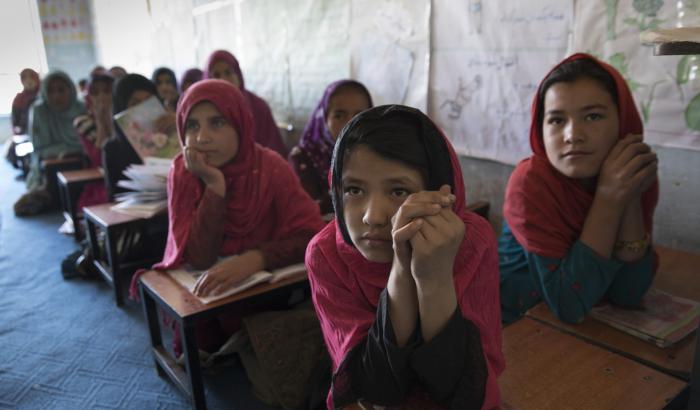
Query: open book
[148, 185]
[663, 319]
[188, 277]
[139, 126]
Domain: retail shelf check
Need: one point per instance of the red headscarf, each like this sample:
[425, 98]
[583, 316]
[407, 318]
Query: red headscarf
[27, 96]
[264, 199]
[545, 209]
[346, 286]
[266, 132]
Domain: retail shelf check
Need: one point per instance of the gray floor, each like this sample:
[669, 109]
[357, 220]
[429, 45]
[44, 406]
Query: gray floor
[65, 344]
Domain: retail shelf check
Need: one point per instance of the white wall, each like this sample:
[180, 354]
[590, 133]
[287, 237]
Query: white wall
[140, 39]
[22, 47]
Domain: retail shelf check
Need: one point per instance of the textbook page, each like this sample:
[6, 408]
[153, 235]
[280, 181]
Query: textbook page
[188, 277]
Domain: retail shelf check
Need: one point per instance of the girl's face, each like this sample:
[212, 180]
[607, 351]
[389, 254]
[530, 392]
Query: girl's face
[374, 187]
[29, 82]
[101, 96]
[209, 132]
[223, 71]
[58, 95]
[343, 105]
[580, 126]
[137, 97]
[166, 89]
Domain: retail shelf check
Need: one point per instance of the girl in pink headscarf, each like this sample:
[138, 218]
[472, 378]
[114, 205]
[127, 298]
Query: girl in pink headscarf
[223, 65]
[228, 196]
[311, 159]
[405, 280]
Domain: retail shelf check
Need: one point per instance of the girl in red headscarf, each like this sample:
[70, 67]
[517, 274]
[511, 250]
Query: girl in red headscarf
[24, 99]
[223, 65]
[228, 196]
[578, 212]
[94, 129]
[405, 280]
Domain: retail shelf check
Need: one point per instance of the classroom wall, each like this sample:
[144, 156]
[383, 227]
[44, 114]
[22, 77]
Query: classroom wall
[66, 26]
[214, 25]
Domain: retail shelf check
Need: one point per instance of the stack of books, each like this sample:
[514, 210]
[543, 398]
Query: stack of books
[148, 185]
[663, 319]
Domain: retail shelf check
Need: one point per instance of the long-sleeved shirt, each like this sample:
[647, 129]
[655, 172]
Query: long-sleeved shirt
[570, 286]
[207, 235]
[448, 371]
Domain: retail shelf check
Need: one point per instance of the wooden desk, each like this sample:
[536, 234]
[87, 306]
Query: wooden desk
[159, 289]
[678, 274]
[70, 185]
[548, 369]
[113, 266]
[50, 167]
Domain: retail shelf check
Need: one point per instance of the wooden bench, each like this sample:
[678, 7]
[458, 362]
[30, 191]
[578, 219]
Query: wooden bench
[549, 369]
[70, 186]
[158, 289]
[677, 275]
[109, 260]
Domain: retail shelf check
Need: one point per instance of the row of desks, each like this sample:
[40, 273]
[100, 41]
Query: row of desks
[550, 364]
[554, 365]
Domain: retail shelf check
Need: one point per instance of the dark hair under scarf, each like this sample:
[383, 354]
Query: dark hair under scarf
[191, 76]
[164, 70]
[399, 133]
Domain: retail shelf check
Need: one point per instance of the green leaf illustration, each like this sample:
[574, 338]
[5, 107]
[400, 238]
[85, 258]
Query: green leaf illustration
[683, 69]
[692, 114]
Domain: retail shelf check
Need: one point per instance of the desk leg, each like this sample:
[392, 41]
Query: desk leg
[72, 197]
[150, 312]
[113, 262]
[694, 399]
[189, 343]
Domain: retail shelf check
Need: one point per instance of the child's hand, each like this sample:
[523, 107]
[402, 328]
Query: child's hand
[228, 273]
[196, 163]
[435, 245]
[409, 219]
[629, 169]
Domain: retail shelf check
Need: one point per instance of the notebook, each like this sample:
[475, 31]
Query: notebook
[188, 278]
[663, 319]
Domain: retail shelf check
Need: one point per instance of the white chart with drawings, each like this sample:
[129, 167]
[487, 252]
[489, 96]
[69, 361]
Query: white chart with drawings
[486, 63]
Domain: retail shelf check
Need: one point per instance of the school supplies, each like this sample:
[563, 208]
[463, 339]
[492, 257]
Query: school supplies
[188, 278]
[148, 185]
[663, 319]
[138, 123]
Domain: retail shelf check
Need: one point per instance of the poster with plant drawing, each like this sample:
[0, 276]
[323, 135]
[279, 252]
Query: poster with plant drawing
[666, 88]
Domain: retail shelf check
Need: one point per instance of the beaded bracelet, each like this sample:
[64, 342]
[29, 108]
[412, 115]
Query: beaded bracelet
[633, 246]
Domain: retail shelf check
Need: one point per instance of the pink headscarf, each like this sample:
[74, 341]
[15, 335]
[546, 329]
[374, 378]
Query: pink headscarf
[316, 141]
[265, 132]
[346, 286]
[264, 199]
